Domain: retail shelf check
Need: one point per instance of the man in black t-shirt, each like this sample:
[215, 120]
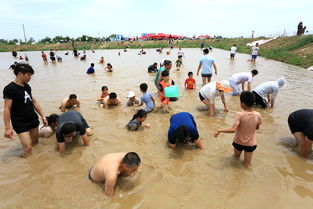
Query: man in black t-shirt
[20, 107]
[71, 122]
[301, 126]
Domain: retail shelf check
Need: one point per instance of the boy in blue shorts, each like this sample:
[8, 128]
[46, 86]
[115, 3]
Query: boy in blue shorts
[146, 98]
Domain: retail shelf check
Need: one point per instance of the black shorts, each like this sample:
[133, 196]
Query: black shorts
[245, 148]
[201, 97]
[259, 100]
[206, 75]
[52, 58]
[232, 55]
[25, 127]
[293, 124]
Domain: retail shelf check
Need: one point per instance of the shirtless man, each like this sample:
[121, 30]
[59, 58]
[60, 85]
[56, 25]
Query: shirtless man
[111, 166]
[71, 102]
[111, 100]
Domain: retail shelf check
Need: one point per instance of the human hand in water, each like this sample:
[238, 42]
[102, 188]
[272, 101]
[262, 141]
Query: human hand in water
[216, 134]
[225, 110]
[8, 133]
[146, 125]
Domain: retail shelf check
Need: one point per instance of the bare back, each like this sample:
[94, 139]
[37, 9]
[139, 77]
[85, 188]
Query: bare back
[107, 167]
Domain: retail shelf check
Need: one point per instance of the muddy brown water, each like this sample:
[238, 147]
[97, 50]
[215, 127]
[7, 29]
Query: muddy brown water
[184, 178]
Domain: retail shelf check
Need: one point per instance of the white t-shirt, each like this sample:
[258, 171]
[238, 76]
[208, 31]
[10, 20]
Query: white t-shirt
[180, 53]
[233, 50]
[266, 88]
[255, 50]
[209, 91]
[242, 77]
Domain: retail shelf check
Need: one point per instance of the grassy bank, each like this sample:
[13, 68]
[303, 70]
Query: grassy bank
[293, 50]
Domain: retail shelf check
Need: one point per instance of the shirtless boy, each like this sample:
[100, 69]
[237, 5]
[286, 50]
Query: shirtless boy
[70, 102]
[111, 166]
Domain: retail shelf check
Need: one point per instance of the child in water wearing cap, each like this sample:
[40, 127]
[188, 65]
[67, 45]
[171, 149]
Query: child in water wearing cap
[245, 126]
[210, 91]
[132, 100]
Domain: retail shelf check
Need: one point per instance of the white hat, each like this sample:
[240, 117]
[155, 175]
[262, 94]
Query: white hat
[131, 94]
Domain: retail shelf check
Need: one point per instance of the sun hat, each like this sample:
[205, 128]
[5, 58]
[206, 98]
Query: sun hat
[224, 86]
[282, 82]
[131, 94]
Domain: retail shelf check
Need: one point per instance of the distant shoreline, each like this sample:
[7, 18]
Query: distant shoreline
[295, 50]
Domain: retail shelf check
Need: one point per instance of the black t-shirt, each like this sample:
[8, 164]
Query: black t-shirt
[22, 110]
[51, 54]
[74, 117]
[304, 121]
[152, 69]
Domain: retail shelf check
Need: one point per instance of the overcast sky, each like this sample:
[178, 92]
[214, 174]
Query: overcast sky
[230, 18]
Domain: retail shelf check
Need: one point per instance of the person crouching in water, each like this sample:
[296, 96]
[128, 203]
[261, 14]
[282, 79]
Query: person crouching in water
[112, 166]
[210, 91]
[70, 123]
[137, 121]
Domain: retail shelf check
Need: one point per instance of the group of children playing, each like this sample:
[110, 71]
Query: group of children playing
[245, 125]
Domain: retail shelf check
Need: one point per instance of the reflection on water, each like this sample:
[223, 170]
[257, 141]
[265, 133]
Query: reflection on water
[184, 178]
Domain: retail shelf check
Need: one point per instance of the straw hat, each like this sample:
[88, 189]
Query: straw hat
[224, 86]
[131, 94]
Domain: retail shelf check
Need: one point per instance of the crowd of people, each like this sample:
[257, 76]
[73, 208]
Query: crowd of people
[21, 109]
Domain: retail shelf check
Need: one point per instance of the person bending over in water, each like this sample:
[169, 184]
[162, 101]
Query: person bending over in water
[268, 90]
[137, 121]
[112, 166]
[71, 102]
[71, 122]
[47, 131]
[111, 100]
[183, 129]
[210, 91]
[109, 68]
[246, 123]
[301, 126]
[241, 78]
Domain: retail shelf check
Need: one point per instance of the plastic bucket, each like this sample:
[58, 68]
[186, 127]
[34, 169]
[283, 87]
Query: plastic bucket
[171, 91]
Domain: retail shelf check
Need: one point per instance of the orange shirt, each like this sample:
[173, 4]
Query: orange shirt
[190, 83]
[44, 56]
[247, 123]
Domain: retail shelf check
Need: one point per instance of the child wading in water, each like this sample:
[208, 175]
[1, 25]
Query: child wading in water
[246, 123]
[109, 68]
[166, 82]
[104, 93]
[137, 121]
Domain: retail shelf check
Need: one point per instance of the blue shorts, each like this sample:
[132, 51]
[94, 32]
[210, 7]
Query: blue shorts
[254, 57]
[234, 86]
